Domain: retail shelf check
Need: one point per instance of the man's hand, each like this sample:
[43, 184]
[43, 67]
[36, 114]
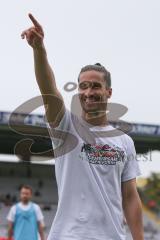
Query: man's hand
[35, 34]
[10, 230]
[52, 99]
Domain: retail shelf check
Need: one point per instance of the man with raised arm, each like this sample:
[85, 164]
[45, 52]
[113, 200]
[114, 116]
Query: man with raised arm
[95, 165]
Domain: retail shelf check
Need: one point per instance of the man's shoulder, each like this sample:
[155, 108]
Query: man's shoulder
[128, 139]
[120, 132]
[36, 206]
[13, 208]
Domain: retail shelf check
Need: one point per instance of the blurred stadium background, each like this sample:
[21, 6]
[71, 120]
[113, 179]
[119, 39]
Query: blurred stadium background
[122, 35]
[20, 166]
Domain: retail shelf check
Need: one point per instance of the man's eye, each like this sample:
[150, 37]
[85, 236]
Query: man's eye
[96, 85]
[84, 85]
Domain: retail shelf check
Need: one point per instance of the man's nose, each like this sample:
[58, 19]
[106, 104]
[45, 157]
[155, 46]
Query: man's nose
[89, 92]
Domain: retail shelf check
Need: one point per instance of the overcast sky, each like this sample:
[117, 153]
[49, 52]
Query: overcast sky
[123, 35]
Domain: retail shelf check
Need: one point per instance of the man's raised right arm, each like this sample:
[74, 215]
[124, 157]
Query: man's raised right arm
[52, 99]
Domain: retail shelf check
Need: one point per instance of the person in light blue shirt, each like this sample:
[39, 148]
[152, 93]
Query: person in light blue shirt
[25, 219]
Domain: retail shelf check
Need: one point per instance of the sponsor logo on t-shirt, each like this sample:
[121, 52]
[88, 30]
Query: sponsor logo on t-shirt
[102, 154]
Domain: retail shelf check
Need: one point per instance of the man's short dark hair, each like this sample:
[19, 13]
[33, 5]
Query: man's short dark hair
[26, 187]
[98, 67]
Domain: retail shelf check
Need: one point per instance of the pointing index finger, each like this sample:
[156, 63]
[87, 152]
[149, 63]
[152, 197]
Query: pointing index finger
[34, 21]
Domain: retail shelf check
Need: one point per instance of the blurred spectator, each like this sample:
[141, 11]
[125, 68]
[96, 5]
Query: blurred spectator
[37, 193]
[14, 199]
[40, 183]
[25, 218]
[8, 200]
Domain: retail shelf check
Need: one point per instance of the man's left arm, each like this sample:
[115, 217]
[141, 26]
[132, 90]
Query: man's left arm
[132, 208]
[40, 221]
[41, 230]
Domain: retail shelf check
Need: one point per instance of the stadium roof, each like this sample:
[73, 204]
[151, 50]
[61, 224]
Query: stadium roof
[19, 132]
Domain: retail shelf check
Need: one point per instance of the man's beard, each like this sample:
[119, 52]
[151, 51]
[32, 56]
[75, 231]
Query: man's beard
[94, 105]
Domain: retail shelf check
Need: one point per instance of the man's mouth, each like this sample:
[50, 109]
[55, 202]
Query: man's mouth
[92, 100]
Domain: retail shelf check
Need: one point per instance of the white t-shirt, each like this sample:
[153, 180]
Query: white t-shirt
[25, 207]
[89, 170]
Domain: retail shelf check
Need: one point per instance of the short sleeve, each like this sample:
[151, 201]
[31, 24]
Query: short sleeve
[59, 133]
[131, 167]
[11, 214]
[39, 214]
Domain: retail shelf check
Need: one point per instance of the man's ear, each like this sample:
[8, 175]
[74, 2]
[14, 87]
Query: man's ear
[109, 92]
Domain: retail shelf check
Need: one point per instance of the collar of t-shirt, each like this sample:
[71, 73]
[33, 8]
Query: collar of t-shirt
[24, 206]
[106, 127]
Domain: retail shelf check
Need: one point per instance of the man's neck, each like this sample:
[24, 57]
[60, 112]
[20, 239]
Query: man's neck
[25, 203]
[95, 118]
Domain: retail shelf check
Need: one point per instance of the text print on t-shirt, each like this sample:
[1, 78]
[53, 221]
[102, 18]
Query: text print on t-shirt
[102, 154]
